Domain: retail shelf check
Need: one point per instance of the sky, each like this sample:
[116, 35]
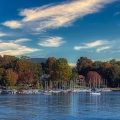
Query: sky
[60, 28]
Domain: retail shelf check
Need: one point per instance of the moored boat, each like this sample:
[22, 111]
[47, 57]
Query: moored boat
[95, 93]
[106, 90]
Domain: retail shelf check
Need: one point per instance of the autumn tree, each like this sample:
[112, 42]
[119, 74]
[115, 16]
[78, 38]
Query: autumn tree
[8, 61]
[93, 79]
[11, 77]
[29, 72]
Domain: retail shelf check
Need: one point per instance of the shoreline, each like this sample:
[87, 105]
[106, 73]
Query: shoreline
[54, 91]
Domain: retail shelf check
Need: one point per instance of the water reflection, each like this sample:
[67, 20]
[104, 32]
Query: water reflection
[74, 106]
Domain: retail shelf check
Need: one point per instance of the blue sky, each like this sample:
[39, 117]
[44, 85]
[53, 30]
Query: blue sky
[60, 28]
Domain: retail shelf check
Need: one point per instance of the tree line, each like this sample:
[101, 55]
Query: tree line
[108, 70]
[23, 72]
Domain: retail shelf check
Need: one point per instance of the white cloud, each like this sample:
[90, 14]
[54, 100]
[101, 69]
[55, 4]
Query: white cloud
[103, 48]
[12, 24]
[22, 40]
[52, 42]
[94, 44]
[2, 34]
[98, 46]
[54, 16]
[10, 48]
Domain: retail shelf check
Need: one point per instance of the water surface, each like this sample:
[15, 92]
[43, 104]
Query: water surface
[77, 106]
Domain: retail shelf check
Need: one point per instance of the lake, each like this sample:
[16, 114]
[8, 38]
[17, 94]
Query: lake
[74, 106]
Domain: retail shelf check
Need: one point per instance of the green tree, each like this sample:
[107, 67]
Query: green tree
[84, 65]
[2, 80]
[50, 64]
[62, 70]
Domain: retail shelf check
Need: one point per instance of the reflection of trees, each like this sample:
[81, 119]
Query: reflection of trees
[58, 103]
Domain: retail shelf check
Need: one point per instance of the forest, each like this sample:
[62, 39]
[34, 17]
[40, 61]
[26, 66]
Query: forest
[23, 72]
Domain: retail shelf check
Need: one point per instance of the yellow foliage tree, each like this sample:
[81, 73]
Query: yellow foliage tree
[11, 77]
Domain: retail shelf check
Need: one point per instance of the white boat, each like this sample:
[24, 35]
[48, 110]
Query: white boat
[76, 90]
[47, 93]
[81, 90]
[66, 91]
[95, 93]
[56, 91]
[84, 90]
[106, 90]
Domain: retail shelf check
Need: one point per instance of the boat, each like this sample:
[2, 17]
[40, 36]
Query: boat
[81, 90]
[95, 93]
[47, 93]
[106, 90]
[76, 90]
[6, 92]
[56, 91]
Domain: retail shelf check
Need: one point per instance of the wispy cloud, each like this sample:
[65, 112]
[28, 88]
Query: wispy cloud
[52, 42]
[10, 48]
[55, 16]
[22, 40]
[103, 48]
[2, 34]
[100, 46]
[93, 44]
[12, 24]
